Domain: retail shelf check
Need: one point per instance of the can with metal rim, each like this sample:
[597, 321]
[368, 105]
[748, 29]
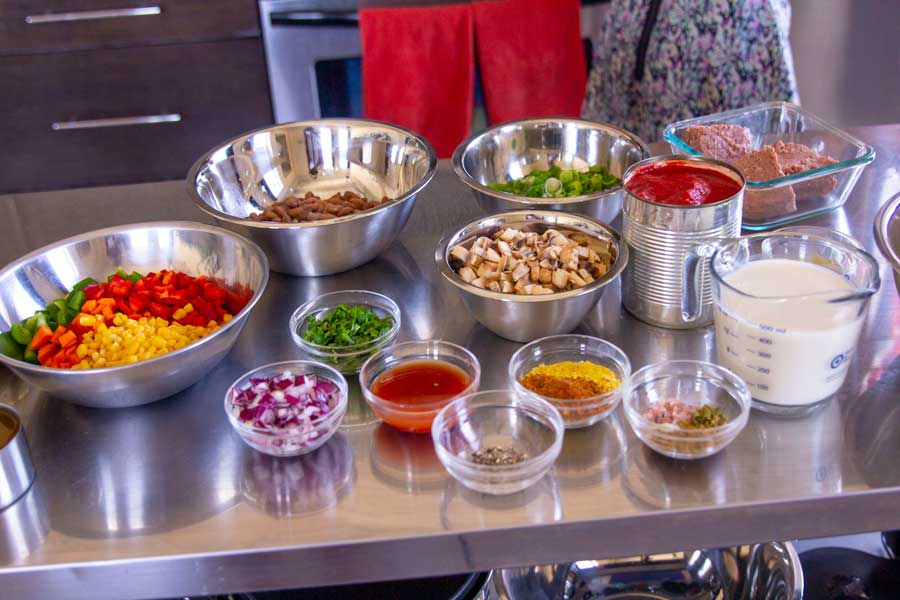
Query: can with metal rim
[666, 282]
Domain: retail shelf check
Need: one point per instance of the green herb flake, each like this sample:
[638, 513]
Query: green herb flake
[707, 416]
[346, 326]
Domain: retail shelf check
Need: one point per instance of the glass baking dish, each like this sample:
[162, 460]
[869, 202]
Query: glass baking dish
[815, 191]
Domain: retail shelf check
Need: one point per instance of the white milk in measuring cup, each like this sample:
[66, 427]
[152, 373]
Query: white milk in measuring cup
[789, 310]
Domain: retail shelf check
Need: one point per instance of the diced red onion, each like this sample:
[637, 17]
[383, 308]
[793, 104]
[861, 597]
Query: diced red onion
[286, 404]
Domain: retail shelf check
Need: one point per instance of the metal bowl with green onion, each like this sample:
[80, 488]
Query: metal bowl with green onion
[513, 151]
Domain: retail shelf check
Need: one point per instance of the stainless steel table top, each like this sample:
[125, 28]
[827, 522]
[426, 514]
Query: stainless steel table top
[165, 500]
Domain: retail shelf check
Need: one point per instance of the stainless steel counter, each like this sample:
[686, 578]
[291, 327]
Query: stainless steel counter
[165, 500]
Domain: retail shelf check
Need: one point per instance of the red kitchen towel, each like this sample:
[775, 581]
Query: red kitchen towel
[419, 70]
[531, 58]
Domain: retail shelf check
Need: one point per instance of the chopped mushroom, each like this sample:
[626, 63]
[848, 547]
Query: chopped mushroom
[514, 261]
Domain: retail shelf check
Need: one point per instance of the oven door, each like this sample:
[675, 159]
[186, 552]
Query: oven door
[314, 60]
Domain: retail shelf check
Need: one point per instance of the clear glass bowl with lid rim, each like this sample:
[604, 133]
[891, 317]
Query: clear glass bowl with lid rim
[581, 412]
[525, 424]
[350, 358]
[692, 382]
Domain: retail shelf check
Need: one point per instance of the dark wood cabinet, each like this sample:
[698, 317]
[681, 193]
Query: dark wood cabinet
[28, 26]
[141, 104]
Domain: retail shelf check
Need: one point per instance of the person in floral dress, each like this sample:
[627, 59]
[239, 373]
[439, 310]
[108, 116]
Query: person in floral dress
[660, 61]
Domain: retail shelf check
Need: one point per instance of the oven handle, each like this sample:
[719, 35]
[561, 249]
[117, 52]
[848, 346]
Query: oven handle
[296, 18]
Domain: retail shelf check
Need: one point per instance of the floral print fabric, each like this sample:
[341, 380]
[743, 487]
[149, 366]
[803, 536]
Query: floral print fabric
[703, 56]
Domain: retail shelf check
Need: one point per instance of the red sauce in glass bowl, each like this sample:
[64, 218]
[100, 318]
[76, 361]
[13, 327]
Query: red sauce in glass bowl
[681, 184]
[411, 393]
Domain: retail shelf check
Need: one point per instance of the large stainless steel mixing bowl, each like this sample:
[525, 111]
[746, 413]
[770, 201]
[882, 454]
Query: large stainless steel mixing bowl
[524, 318]
[514, 149]
[756, 572]
[327, 156]
[29, 283]
[887, 235]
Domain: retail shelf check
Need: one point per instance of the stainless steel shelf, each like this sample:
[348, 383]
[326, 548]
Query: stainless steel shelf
[164, 500]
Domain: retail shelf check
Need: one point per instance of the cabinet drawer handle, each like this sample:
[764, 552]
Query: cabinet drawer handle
[92, 15]
[116, 122]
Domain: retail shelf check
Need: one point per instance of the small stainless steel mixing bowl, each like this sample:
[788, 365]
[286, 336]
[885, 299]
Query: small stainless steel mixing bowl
[887, 235]
[373, 159]
[29, 283]
[514, 149]
[770, 571]
[523, 318]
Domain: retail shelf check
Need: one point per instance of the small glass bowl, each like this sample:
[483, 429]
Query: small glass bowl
[415, 418]
[286, 443]
[694, 382]
[346, 359]
[498, 418]
[557, 348]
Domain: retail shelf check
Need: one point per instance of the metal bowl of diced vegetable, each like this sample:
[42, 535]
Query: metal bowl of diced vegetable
[562, 164]
[48, 282]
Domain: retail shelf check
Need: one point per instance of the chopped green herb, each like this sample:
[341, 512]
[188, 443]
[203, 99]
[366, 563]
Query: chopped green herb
[346, 326]
[558, 183]
[707, 416]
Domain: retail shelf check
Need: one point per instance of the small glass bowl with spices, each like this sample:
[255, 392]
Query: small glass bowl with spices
[498, 441]
[582, 376]
[343, 329]
[687, 408]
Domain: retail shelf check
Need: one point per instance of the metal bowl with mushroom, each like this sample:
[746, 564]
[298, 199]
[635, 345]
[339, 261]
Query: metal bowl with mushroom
[887, 235]
[29, 283]
[383, 163]
[515, 149]
[529, 274]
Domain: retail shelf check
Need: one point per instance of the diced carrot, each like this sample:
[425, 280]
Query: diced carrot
[59, 331]
[110, 302]
[67, 339]
[72, 355]
[108, 312]
[89, 307]
[41, 337]
[46, 353]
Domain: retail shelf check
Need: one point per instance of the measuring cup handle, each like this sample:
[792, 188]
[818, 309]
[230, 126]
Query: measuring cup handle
[692, 280]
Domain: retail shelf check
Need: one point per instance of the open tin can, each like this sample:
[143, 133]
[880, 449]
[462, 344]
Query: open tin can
[16, 468]
[666, 282]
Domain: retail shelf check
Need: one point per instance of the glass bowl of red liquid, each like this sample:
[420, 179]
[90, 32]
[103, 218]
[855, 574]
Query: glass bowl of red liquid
[409, 383]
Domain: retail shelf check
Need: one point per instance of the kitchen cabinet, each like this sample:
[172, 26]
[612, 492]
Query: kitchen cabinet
[118, 92]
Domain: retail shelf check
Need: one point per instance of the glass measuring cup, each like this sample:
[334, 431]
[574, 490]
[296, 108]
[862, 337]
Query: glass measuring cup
[789, 308]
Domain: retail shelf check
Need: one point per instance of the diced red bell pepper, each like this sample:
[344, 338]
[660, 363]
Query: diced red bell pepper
[183, 280]
[119, 287]
[122, 305]
[175, 298]
[139, 300]
[93, 291]
[160, 310]
[236, 302]
[213, 293]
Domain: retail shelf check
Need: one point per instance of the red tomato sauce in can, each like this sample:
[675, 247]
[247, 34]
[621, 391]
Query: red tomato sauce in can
[681, 183]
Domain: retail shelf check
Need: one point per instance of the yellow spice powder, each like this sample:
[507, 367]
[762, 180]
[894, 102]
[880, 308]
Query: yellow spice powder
[569, 369]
